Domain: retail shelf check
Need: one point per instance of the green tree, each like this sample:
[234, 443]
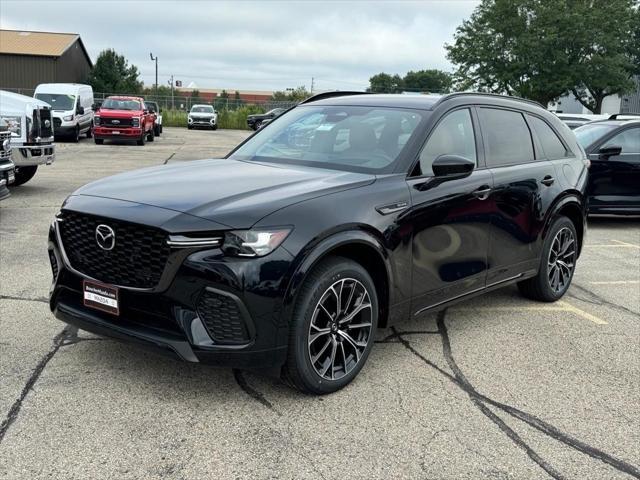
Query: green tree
[385, 83]
[541, 49]
[428, 81]
[296, 95]
[113, 74]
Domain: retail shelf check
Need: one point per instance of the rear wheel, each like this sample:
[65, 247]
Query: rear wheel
[76, 134]
[99, 141]
[90, 131]
[24, 174]
[559, 254]
[333, 327]
[156, 130]
[151, 136]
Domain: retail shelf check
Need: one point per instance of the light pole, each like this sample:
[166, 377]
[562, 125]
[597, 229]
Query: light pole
[156, 60]
[171, 83]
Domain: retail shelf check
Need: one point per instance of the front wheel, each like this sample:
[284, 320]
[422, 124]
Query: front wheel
[141, 141]
[557, 263]
[24, 174]
[333, 327]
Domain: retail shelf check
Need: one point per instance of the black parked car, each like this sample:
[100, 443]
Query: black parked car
[613, 146]
[348, 214]
[255, 121]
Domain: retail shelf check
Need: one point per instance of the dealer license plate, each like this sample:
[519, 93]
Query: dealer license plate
[101, 297]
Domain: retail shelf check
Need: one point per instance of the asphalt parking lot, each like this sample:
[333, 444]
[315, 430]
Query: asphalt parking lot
[496, 387]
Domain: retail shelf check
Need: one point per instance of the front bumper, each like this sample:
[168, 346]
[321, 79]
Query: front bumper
[169, 322]
[131, 133]
[36, 154]
[201, 122]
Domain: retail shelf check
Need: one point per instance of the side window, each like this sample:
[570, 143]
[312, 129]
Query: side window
[553, 147]
[452, 136]
[507, 137]
[629, 140]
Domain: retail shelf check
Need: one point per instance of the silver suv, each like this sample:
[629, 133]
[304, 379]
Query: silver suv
[202, 116]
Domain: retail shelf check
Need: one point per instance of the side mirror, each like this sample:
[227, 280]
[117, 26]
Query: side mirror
[451, 167]
[160, 110]
[80, 110]
[610, 151]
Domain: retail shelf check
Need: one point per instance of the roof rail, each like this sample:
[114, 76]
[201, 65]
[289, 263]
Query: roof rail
[485, 94]
[335, 93]
[616, 115]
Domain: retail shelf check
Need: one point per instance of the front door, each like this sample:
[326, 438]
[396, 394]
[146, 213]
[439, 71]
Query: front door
[614, 182]
[450, 220]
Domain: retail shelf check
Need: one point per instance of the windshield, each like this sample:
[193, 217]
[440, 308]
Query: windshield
[58, 101]
[361, 139]
[588, 134]
[151, 105]
[121, 104]
[202, 109]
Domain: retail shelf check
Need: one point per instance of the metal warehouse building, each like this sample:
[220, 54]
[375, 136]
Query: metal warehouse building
[30, 58]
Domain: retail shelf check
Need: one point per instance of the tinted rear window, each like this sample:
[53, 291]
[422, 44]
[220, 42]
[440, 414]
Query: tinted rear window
[507, 137]
[551, 144]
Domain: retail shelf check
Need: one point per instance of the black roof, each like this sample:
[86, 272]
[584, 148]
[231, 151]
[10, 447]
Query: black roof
[422, 102]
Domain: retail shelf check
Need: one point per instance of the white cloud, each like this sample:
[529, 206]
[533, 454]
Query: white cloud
[256, 45]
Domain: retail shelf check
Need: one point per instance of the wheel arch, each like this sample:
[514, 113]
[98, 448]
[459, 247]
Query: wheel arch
[572, 207]
[358, 245]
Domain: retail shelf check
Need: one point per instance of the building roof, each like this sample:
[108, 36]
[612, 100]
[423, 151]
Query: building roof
[47, 44]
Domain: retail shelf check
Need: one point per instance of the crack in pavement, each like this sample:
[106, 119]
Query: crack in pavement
[23, 299]
[12, 415]
[481, 401]
[392, 336]
[252, 392]
[169, 158]
[599, 300]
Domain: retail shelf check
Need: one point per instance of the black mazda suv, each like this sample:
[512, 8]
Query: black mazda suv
[347, 213]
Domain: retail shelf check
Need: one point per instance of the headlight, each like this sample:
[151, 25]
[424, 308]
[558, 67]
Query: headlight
[135, 122]
[13, 124]
[96, 120]
[253, 243]
[68, 118]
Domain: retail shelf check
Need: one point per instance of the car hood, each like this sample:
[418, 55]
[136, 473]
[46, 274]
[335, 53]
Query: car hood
[120, 113]
[230, 192]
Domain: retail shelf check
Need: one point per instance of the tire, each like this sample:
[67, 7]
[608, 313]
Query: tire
[160, 130]
[256, 126]
[90, 131]
[214, 127]
[76, 135]
[189, 127]
[151, 136]
[24, 174]
[142, 140]
[324, 285]
[99, 141]
[557, 263]
[156, 130]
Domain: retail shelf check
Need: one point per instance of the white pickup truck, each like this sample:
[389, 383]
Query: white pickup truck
[31, 125]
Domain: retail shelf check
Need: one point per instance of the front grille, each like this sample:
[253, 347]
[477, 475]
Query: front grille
[222, 318]
[5, 154]
[115, 122]
[137, 260]
[54, 264]
[46, 125]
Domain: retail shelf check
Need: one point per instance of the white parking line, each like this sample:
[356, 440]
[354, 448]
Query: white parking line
[617, 282]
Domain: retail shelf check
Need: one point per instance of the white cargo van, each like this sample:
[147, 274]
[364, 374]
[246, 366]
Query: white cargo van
[72, 105]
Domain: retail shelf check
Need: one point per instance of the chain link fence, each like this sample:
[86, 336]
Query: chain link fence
[232, 112]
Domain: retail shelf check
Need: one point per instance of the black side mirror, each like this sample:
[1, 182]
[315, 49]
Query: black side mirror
[160, 110]
[611, 151]
[80, 110]
[451, 167]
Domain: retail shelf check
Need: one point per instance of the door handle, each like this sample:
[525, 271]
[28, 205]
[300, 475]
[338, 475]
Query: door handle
[548, 180]
[482, 193]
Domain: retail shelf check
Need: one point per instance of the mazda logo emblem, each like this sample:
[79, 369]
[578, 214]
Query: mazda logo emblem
[105, 237]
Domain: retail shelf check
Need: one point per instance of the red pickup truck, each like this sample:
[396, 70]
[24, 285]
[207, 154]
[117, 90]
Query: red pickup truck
[125, 118]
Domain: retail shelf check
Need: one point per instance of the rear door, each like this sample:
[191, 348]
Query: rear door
[524, 186]
[615, 180]
[450, 220]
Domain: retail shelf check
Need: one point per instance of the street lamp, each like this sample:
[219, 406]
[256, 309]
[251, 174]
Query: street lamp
[156, 60]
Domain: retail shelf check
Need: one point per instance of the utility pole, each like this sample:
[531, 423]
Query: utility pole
[311, 85]
[173, 107]
[156, 60]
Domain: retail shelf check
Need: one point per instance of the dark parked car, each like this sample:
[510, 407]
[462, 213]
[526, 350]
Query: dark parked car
[613, 146]
[255, 121]
[348, 214]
